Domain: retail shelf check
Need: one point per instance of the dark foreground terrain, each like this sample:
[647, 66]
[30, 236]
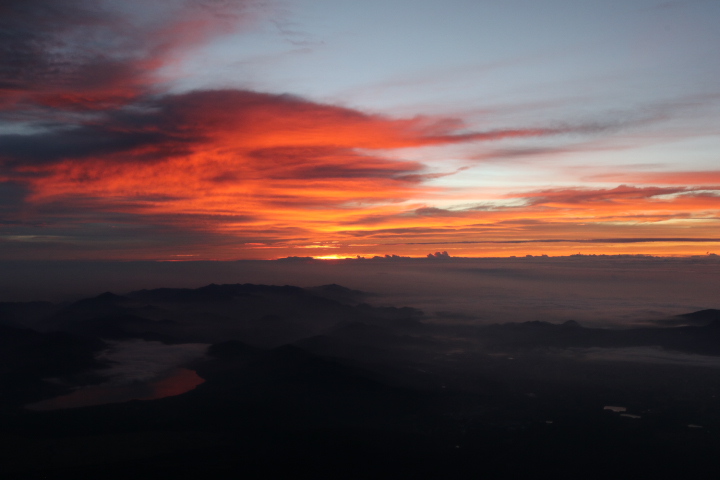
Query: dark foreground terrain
[284, 381]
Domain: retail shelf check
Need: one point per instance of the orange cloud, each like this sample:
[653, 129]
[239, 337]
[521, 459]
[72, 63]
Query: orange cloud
[212, 174]
[234, 153]
[622, 219]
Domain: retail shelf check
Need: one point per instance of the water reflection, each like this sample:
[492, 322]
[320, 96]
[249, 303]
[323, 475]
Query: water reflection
[139, 370]
[177, 381]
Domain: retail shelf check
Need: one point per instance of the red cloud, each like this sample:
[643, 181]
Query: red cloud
[239, 160]
[229, 151]
[247, 166]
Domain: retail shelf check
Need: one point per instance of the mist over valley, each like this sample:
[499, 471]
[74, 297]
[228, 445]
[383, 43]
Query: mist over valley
[231, 378]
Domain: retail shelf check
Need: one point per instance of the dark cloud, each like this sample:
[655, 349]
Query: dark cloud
[707, 177]
[408, 232]
[436, 212]
[74, 143]
[319, 140]
[35, 40]
[577, 240]
[70, 53]
[424, 177]
[578, 195]
[533, 151]
[12, 195]
[313, 162]
[93, 55]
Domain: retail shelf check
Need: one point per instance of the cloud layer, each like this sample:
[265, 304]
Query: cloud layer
[100, 158]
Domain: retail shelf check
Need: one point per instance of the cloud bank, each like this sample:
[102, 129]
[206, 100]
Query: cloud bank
[100, 158]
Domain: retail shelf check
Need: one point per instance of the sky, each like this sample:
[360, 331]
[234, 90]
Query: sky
[263, 129]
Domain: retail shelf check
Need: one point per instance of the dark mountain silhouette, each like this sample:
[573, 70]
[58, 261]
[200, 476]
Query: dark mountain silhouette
[106, 304]
[313, 382]
[360, 340]
[692, 339]
[27, 357]
[232, 350]
[215, 293]
[25, 314]
[339, 293]
[703, 316]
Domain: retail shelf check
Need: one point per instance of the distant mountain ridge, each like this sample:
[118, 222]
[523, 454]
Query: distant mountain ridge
[328, 320]
[290, 380]
[707, 316]
[700, 339]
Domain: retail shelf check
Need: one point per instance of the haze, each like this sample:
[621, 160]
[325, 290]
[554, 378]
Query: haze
[606, 291]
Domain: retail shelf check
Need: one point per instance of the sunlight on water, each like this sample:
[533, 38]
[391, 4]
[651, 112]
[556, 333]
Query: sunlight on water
[179, 381]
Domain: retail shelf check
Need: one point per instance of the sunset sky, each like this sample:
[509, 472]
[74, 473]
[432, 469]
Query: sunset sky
[253, 129]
